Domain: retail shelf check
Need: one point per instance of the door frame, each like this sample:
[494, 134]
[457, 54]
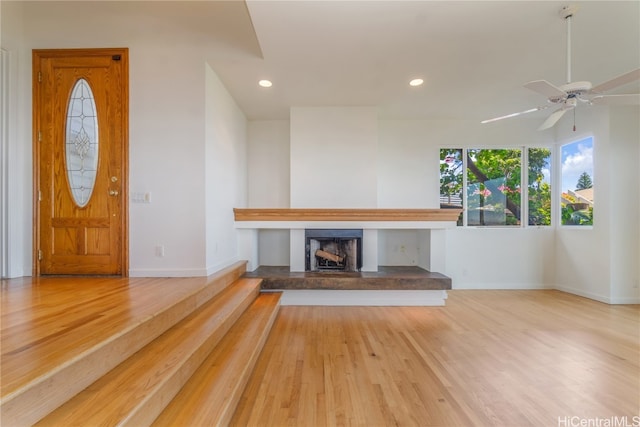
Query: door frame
[37, 54]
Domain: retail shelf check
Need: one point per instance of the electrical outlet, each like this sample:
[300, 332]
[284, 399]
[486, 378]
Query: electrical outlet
[140, 197]
[160, 251]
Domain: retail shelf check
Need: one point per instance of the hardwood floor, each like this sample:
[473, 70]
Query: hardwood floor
[508, 358]
[505, 358]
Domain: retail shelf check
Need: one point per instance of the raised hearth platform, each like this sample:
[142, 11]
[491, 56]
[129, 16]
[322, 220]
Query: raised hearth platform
[389, 286]
[386, 278]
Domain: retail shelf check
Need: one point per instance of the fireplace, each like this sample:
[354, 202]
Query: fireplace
[333, 250]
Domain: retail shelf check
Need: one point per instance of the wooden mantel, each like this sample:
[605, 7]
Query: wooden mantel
[250, 221]
[392, 215]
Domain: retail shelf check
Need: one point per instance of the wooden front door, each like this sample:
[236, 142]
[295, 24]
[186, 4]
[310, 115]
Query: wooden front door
[80, 126]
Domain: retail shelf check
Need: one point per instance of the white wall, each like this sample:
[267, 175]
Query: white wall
[169, 134]
[501, 258]
[334, 157]
[624, 207]
[181, 151]
[476, 258]
[268, 160]
[408, 177]
[601, 262]
[268, 175]
[408, 171]
[167, 151]
[582, 253]
[225, 171]
[18, 141]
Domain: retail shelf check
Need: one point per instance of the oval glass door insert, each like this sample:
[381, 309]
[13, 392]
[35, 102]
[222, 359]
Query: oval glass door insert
[81, 142]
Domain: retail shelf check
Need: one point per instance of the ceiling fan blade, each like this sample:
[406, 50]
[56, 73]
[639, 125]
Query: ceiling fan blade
[552, 119]
[617, 81]
[545, 88]
[495, 119]
[628, 99]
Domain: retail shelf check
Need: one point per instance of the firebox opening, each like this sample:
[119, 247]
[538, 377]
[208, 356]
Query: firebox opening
[333, 250]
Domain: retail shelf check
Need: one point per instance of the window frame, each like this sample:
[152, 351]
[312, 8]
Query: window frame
[556, 208]
[524, 184]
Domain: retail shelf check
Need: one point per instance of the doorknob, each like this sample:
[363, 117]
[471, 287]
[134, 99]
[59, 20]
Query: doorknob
[113, 192]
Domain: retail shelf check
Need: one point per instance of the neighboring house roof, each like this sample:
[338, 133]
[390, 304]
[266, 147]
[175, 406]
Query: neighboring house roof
[581, 196]
[586, 194]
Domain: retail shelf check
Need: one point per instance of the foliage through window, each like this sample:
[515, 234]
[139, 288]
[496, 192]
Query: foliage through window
[492, 187]
[539, 180]
[577, 183]
[451, 179]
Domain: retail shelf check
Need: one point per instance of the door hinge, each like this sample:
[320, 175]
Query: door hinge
[39, 254]
[39, 76]
[39, 136]
[39, 195]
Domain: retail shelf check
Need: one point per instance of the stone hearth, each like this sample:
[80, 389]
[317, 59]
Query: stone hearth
[386, 278]
[389, 286]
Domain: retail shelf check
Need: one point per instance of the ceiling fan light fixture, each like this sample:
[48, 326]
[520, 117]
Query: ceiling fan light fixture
[569, 94]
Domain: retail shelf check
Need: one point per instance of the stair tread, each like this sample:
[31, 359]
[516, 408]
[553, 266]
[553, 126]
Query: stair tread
[63, 333]
[212, 394]
[101, 314]
[137, 389]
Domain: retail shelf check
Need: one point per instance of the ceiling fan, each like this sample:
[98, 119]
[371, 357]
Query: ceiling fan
[568, 96]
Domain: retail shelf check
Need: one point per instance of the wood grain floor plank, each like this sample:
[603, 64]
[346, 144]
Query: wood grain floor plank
[63, 333]
[505, 358]
[210, 396]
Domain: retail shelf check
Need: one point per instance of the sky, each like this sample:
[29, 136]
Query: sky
[577, 157]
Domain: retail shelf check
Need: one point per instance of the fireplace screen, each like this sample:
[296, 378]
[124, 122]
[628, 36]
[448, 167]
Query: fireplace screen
[333, 250]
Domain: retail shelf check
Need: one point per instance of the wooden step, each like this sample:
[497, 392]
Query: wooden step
[61, 334]
[137, 390]
[212, 394]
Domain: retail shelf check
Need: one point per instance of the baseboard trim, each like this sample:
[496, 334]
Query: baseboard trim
[600, 298]
[625, 300]
[167, 273]
[219, 266]
[500, 286]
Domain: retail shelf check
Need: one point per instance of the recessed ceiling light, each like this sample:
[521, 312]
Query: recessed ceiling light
[416, 82]
[265, 83]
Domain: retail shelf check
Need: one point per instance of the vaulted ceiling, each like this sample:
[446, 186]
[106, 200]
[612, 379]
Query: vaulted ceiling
[473, 55]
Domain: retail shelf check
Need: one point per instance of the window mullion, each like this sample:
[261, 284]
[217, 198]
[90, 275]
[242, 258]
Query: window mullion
[465, 203]
[524, 187]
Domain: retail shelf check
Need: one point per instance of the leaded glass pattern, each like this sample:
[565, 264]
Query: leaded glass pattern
[81, 144]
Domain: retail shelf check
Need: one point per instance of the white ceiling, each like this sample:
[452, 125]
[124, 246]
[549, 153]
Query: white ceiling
[473, 55]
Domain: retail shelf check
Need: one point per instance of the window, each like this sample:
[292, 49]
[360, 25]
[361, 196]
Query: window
[539, 186]
[493, 186]
[489, 183]
[451, 179]
[577, 183]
